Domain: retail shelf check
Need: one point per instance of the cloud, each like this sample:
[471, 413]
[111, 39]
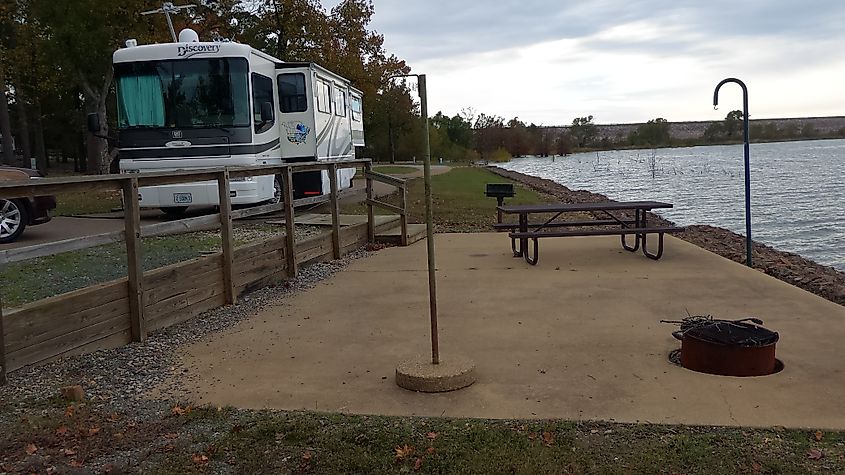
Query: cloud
[426, 29]
[550, 61]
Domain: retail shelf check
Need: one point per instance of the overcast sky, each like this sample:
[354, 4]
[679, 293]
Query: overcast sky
[548, 61]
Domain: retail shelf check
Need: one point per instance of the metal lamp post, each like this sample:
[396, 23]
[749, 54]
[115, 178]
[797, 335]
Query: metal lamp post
[429, 216]
[747, 153]
[435, 375]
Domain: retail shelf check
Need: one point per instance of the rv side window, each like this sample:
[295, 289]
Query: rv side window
[355, 105]
[262, 92]
[340, 102]
[292, 96]
[324, 97]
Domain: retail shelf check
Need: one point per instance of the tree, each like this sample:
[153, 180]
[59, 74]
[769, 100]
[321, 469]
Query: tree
[809, 131]
[583, 131]
[451, 137]
[542, 140]
[653, 133]
[733, 124]
[291, 30]
[563, 143]
[489, 134]
[517, 138]
[81, 37]
[714, 132]
[7, 154]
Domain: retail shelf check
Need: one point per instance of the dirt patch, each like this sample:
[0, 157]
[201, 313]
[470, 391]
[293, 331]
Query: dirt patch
[824, 281]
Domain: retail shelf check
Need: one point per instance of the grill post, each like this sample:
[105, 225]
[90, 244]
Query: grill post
[500, 191]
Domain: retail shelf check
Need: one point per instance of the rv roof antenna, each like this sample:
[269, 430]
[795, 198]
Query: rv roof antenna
[167, 8]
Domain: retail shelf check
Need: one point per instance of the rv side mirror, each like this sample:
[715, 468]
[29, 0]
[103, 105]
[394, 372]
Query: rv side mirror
[266, 111]
[93, 122]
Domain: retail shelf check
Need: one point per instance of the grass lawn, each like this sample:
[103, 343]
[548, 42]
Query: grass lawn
[224, 440]
[35, 279]
[86, 202]
[459, 201]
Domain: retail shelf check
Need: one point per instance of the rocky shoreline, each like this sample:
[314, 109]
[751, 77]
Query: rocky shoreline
[824, 281]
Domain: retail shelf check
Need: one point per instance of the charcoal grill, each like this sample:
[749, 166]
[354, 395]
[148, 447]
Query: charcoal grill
[500, 191]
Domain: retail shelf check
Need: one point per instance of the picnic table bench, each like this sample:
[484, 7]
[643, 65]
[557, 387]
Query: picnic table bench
[614, 225]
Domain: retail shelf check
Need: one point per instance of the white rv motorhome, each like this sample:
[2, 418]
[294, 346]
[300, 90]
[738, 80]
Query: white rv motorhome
[196, 104]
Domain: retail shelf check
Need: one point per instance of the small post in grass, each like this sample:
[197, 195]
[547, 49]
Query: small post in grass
[419, 374]
[2, 347]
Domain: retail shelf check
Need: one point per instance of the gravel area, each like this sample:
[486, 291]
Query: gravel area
[125, 380]
[824, 281]
[249, 231]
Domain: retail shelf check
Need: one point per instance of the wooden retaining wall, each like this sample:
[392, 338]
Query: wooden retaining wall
[127, 310]
[98, 317]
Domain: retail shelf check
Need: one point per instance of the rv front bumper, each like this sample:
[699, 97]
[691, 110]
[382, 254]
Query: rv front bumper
[205, 193]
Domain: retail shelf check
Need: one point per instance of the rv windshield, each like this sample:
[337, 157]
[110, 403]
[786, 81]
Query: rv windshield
[192, 93]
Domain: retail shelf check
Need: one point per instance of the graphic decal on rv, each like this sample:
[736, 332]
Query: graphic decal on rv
[297, 132]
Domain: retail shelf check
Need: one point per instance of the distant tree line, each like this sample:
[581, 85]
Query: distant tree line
[468, 136]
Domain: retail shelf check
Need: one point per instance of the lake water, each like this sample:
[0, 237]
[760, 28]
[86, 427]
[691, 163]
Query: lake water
[797, 188]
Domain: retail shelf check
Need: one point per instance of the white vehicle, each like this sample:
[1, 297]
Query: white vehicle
[192, 104]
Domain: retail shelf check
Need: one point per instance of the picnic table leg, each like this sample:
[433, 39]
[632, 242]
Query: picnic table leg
[523, 242]
[636, 236]
[528, 259]
[644, 237]
[659, 248]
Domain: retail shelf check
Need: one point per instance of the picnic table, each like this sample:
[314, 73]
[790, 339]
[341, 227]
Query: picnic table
[617, 222]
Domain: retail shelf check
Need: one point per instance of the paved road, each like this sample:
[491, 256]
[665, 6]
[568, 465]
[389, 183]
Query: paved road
[64, 227]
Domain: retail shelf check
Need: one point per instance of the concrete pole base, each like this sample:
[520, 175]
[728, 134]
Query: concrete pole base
[418, 374]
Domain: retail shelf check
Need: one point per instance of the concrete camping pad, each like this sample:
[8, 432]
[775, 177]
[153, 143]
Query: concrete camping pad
[575, 337]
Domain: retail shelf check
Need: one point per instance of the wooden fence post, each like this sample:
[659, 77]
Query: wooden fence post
[290, 240]
[132, 228]
[371, 222]
[403, 218]
[225, 209]
[335, 211]
[2, 348]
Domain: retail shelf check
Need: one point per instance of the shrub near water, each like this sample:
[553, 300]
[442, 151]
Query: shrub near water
[500, 155]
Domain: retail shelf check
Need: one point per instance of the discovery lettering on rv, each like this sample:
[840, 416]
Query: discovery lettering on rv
[297, 132]
[189, 50]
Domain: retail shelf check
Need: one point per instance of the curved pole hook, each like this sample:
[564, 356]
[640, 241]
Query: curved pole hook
[747, 153]
[744, 94]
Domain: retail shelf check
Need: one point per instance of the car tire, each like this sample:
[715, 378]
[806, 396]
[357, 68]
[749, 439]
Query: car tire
[14, 217]
[175, 211]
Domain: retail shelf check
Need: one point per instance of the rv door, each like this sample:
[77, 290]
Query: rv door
[357, 109]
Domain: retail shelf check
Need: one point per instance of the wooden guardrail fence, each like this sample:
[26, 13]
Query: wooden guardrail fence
[401, 210]
[117, 312]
